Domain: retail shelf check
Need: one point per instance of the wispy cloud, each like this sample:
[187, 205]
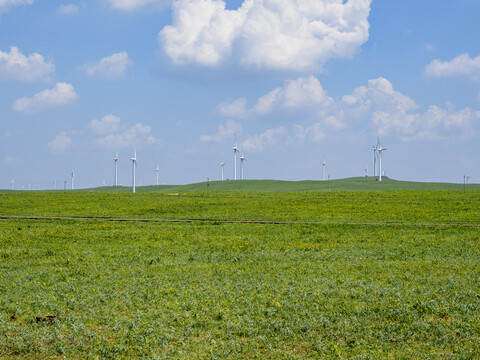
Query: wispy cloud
[133, 5]
[106, 125]
[461, 66]
[68, 9]
[224, 132]
[107, 132]
[5, 5]
[60, 143]
[61, 94]
[270, 139]
[128, 136]
[16, 66]
[8, 160]
[110, 67]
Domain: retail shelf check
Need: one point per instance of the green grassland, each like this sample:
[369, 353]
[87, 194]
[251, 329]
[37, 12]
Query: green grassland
[240, 274]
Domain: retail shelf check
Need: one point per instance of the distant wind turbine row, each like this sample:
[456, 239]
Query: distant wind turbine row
[377, 154]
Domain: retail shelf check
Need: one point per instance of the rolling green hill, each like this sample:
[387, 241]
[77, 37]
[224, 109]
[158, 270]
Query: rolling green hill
[349, 184]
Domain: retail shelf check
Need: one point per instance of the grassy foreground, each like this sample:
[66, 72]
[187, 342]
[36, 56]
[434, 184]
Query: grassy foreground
[359, 275]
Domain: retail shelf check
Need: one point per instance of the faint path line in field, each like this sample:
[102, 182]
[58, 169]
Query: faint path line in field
[227, 221]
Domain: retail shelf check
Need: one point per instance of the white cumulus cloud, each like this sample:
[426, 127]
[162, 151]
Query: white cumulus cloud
[16, 66]
[461, 66]
[299, 93]
[110, 67]
[302, 93]
[61, 94]
[274, 34]
[376, 106]
[6, 4]
[132, 5]
[60, 143]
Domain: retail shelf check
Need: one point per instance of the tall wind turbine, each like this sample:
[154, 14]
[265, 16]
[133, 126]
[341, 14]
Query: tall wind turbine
[116, 169]
[375, 149]
[134, 165]
[235, 150]
[324, 164]
[379, 150]
[222, 164]
[242, 159]
[157, 170]
[13, 184]
[73, 176]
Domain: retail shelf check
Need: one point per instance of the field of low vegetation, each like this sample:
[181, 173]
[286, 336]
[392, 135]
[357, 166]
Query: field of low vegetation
[240, 275]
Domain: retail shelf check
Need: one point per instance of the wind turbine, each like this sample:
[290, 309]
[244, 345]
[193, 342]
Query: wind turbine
[116, 169]
[157, 170]
[324, 164]
[73, 176]
[375, 149]
[222, 164]
[13, 184]
[235, 150]
[134, 165]
[379, 150]
[242, 159]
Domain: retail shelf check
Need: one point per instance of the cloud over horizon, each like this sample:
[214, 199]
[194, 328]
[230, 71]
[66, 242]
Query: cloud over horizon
[107, 132]
[376, 106]
[264, 35]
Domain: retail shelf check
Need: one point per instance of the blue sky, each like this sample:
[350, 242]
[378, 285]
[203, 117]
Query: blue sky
[297, 82]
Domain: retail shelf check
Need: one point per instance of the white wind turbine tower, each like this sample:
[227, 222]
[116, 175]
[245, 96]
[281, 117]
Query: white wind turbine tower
[116, 169]
[324, 164]
[13, 184]
[375, 149]
[134, 165]
[379, 150]
[242, 159]
[73, 176]
[235, 150]
[222, 164]
[157, 170]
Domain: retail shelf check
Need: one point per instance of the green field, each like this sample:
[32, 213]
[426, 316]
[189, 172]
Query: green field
[183, 274]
